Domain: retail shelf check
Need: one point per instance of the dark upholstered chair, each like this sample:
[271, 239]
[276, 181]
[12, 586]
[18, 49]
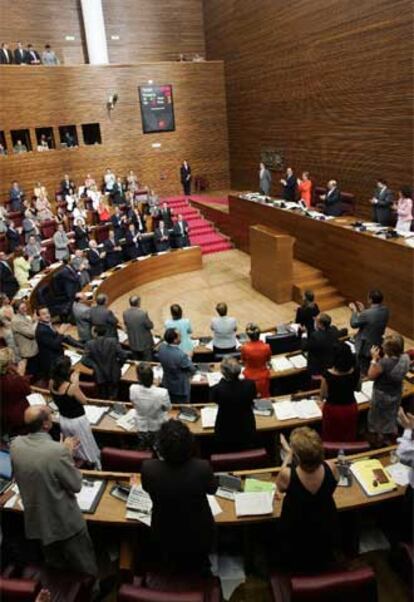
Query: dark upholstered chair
[349, 447]
[244, 460]
[123, 460]
[18, 590]
[171, 589]
[48, 228]
[356, 585]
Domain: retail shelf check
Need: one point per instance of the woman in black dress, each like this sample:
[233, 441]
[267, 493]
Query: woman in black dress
[235, 428]
[308, 520]
[307, 312]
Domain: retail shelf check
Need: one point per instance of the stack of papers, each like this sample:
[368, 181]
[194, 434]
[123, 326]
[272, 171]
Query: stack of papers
[94, 413]
[208, 417]
[73, 356]
[283, 363]
[254, 504]
[304, 409]
[89, 493]
[213, 378]
[139, 505]
[36, 399]
[128, 421]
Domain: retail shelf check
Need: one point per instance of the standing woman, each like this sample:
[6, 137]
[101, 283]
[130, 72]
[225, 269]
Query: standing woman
[255, 355]
[265, 180]
[388, 373]
[67, 395]
[305, 189]
[185, 176]
[307, 312]
[21, 268]
[183, 326]
[404, 209]
[61, 242]
[338, 386]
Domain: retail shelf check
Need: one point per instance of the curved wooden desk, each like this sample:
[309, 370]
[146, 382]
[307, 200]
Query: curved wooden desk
[128, 276]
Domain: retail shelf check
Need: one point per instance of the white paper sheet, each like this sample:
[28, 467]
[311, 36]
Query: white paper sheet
[95, 413]
[284, 410]
[213, 378]
[87, 495]
[214, 505]
[399, 473]
[36, 399]
[122, 336]
[125, 369]
[73, 356]
[361, 397]
[298, 361]
[128, 421]
[367, 387]
[254, 504]
[307, 408]
[281, 364]
[208, 416]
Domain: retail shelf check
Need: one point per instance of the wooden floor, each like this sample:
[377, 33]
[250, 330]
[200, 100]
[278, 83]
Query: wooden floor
[224, 277]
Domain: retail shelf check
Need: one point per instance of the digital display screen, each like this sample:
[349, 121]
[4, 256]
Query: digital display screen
[157, 109]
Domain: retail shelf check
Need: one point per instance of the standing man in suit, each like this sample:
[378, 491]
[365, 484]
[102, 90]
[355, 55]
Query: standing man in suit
[66, 185]
[117, 222]
[48, 481]
[68, 282]
[102, 316]
[13, 237]
[49, 341]
[96, 259]
[321, 345]
[177, 367]
[165, 214]
[185, 177]
[32, 56]
[162, 238]
[81, 312]
[371, 323]
[332, 200]
[265, 180]
[138, 327]
[382, 203]
[118, 192]
[113, 251]
[20, 57]
[180, 233]
[8, 281]
[6, 55]
[24, 331]
[16, 196]
[289, 183]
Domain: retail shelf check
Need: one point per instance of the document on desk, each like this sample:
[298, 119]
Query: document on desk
[284, 410]
[361, 397]
[139, 505]
[281, 364]
[263, 336]
[298, 361]
[213, 378]
[89, 496]
[73, 356]
[254, 504]
[158, 372]
[128, 422]
[95, 413]
[36, 399]
[208, 417]
[307, 408]
[125, 369]
[214, 505]
[122, 336]
[400, 473]
[372, 477]
[367, 387]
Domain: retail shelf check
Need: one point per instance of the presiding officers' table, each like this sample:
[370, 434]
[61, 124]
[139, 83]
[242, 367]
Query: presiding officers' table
[354, 261]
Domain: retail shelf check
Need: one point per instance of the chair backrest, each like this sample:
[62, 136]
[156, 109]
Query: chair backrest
[101, 233]
[49, 251]
[48, 228]
[332, 448]
[131, 593]
[123, 460]
[220, 356]
[357, 585]
[252, 458]
[16, 217]
[283, 343]
[18, 590]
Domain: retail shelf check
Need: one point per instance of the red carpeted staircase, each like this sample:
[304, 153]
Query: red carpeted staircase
[202, 232]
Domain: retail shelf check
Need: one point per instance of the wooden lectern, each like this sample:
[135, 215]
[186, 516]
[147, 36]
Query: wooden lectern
[271, 255]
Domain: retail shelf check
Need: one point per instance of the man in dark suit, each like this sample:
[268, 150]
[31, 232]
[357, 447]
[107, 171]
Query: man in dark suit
[118, 222]
[180, 233]
[105, 356]
[6, 55]
[81, 235]
[13, 237]
[165, 214]
[161, 238]
[138, 326]
[32, 56]
[185, 178]
[178, 486]
[67, 282]
[371, 323]
[177, 367]
[16, 196]
[96, 259]
[20, 55]
[102, 316]
[8, 282]
[382, 203]
[321, 345]
[66, 185]
[289, 183]
[113, 251]
[118, 193]
[49, 341]
[332, 200]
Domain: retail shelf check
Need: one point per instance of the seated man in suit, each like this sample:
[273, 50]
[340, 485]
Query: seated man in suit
[102, 316]
[13, 237]
[371, 323]
[321, 345]
[332, 204]
[6, 55]
[16, 197]
[162, 238]
[32, 56]
[96, 259]
[165, 214]
[382, 203]
[289, 184]
[180, 233]
[113, 251]
[20, 57]
[177, 367]
[8, 282]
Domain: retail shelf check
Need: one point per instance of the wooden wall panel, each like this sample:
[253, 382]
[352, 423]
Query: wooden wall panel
[327, 82]
[76, 95]
[151, 30]
[41, 22]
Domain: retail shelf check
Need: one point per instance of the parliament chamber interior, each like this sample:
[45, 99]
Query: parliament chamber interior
[206, 300]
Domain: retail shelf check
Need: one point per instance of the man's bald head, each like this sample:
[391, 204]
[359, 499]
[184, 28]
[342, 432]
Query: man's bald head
[37, 418]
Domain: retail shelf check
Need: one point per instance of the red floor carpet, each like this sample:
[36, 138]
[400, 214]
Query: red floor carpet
[202, 232]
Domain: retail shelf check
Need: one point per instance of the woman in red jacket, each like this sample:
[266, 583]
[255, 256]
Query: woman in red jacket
[305, 189]
[255, 355]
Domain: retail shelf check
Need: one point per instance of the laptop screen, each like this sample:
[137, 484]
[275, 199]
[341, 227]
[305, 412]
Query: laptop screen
[5, 465]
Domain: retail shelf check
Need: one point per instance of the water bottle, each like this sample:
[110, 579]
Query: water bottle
[341, 459]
